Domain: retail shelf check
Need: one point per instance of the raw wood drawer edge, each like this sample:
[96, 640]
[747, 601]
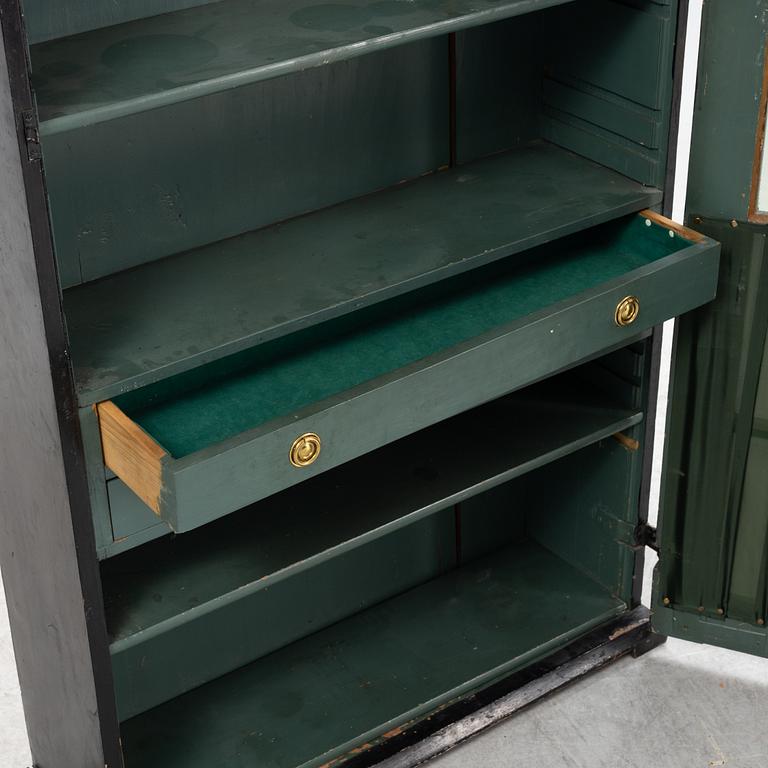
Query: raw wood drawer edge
[132, 454]
[679, 229]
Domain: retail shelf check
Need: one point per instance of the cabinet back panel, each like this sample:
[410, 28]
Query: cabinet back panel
[498, 86]
[594, 77]
[490, 521]
[49, 19]
[239, 160]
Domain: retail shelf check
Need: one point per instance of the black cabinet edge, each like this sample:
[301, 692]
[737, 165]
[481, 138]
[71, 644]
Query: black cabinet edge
[72, 455]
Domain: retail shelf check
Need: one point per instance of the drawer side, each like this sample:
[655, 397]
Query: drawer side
[131, 454]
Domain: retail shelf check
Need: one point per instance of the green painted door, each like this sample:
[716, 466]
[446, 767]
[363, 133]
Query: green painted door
[711, 584]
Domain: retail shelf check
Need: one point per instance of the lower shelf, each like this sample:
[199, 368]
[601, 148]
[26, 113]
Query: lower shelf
[321, 697]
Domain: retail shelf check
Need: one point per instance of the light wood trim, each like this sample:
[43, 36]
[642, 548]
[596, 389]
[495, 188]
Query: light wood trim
[628, 442]
[678, 229]
[131, 454]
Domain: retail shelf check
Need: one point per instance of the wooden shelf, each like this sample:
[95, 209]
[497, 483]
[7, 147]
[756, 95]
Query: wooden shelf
[141, 65]
[168, 316]
[177, 588]
[389, 664]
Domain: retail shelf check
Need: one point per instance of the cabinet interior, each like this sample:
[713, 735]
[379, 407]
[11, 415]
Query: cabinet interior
[258, 207]
[489, 537]
[372, 170]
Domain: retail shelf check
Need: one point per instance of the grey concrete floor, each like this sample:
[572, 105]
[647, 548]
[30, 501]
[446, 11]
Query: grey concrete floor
[682, 705]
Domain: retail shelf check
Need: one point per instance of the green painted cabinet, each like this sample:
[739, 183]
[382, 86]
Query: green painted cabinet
[352, 318]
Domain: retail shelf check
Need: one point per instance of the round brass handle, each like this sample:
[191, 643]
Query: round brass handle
[305, 450]
[627, 311]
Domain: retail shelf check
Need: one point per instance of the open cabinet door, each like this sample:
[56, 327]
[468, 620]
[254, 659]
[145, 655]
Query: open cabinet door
[711, 584]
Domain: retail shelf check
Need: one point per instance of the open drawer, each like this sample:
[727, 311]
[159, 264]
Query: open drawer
[206, 443]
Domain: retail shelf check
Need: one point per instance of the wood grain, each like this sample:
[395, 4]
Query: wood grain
[678, 229]
[628, 442]
[131, 454]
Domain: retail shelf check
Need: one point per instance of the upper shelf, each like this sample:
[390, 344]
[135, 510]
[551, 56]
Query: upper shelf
[149, 63]
[169, 316]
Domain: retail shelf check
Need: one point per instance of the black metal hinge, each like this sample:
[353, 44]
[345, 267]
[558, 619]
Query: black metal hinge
[32, 135]
[645, 536]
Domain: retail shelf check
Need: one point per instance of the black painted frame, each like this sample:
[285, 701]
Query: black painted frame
[49, 660]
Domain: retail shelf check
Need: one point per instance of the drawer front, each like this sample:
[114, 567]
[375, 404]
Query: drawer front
[205, 485]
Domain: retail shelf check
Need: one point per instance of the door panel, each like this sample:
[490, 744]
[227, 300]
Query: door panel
[711, 581]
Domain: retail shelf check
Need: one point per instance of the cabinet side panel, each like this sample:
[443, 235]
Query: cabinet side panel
[608, 87]
[54, 605]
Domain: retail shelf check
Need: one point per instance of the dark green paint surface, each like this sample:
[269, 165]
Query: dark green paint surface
[573, 423]
[426, 474]
[191, 414]
[190, 608]
[498, 85]
[591, 501]
[145, 64]
[253, 464]
[253, 620]
[714, 506]
[608, 84]
[293, 145]
[360, 125]
[46, 20]
[728, 90]
[324, 694]
[168, 316]
[744, 637]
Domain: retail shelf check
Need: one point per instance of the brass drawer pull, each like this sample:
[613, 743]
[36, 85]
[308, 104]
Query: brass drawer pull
[305, 450]
[627, 311]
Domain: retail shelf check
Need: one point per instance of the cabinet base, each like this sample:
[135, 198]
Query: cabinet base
[460, 721]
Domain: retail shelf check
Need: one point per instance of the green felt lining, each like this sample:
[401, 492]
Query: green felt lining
[216, 402]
